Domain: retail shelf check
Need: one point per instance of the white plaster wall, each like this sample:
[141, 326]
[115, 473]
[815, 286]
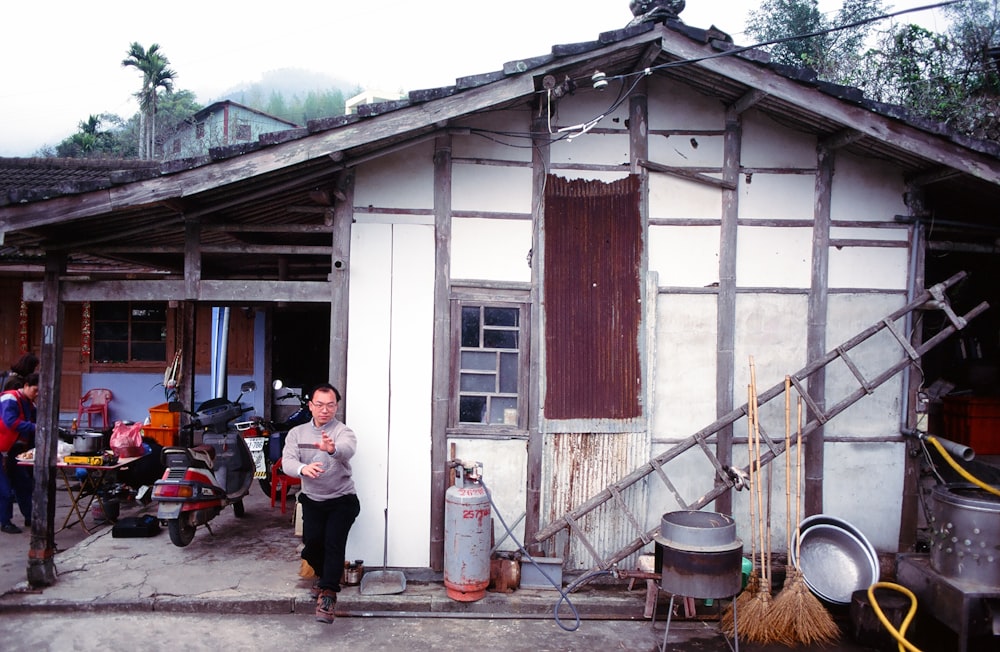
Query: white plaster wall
[592, 149]
[868, 267]
[684, 255]
[490, 188]
[583, 106]
[691, 473]
[866, 190]
[404, 179]
[696, 150]
[878, 414]
[673, 197]
[388, 391]
[490, 249]
[777, 196]
[685, 360]
[772, 329]
[900, 234]
[863, 484]
[672, 105]
[508, 137]
[769, 145]
[505, 464]
[773, 257]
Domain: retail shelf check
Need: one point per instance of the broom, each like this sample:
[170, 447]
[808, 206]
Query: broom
[727, 623]
[756, 613]
[799, 617]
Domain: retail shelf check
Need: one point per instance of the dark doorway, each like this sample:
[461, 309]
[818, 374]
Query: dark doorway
[300, 345]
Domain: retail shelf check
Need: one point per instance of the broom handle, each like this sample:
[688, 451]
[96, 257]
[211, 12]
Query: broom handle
[798, 481]
[760, 494]
[788, 466]
[753, 485]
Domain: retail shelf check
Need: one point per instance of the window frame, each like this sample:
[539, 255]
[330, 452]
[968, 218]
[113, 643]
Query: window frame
[516, 299]
[168, 345]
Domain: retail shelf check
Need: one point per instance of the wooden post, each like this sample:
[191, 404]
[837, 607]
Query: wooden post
[41, 562]
[725, 371]
[441, 388]
[340, 286]
[816, 328]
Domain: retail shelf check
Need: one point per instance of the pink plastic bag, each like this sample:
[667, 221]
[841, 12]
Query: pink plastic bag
[126, 436]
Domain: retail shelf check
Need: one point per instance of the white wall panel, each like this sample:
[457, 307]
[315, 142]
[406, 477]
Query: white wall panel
[766, 144]
[773, 257]
[389, 387]
[490, 249]
[686, 256]
[867, 190]
[404, 179]
[491, 188]
[868, 267]
[778, 196]
[680, 198]
[674, 106]
[686, 150]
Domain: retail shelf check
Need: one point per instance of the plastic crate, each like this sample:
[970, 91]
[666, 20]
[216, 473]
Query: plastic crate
[973, 421]
[160, 416]
[162, 436]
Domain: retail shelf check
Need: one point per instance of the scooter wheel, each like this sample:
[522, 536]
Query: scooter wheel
[239, 510]
[181, 531]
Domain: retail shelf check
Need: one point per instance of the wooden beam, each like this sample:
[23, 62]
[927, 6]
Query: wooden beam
[215, 291]
[842, 138]
[682, 173]
[748, 100]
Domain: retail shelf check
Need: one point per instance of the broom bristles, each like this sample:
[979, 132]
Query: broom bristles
[726, 622]
[799, 618]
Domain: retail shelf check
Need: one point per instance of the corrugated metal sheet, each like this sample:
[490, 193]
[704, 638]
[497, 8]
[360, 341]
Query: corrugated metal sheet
[593, 307]
[581, 465]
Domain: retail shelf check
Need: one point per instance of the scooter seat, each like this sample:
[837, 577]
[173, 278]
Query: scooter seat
[205, 454]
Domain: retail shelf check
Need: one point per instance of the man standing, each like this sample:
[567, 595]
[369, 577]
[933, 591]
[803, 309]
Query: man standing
[320, 453]
[17, 434]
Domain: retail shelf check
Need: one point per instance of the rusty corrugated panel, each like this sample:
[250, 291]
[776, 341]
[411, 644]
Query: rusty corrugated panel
[581, 465]
[593, 248]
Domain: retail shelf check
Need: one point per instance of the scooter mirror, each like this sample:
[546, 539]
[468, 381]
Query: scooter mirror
[277, 384]
[248, 386]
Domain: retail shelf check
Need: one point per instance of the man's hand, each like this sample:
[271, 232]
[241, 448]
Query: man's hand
[312, 470]
[326, 444]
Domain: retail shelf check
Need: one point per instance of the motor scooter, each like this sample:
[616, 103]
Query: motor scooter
[278, 431]
[199, 482]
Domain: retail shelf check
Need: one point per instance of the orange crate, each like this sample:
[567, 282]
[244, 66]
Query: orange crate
[973, 421]
[160, 416]
[162, 436]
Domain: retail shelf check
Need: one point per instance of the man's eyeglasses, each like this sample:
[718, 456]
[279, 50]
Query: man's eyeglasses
[325, 406]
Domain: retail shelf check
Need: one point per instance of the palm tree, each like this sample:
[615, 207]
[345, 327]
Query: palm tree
[155, 75]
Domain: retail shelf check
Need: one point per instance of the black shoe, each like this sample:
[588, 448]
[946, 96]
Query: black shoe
[10, 528]
[27, 522]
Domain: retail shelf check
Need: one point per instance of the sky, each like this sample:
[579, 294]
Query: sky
[60, 60]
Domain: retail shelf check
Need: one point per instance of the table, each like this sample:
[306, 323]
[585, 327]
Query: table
[82, 498]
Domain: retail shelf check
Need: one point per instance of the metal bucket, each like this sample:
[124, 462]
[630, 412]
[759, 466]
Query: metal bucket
[965, 533]
[701, 555]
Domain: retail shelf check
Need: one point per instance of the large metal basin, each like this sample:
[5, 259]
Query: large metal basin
[834, 563]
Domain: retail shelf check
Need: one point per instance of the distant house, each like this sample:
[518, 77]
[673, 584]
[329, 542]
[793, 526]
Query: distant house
[369, 97]
[219, 125]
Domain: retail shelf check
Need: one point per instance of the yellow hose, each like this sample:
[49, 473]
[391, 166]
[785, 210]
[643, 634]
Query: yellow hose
[962, 472]
[897, 634]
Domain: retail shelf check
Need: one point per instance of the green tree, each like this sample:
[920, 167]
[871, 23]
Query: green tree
[800, 35]
[99, 136]
[155, 75]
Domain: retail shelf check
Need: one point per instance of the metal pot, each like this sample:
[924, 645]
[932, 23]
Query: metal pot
[88, 442]
[965, 530]
[701, 555]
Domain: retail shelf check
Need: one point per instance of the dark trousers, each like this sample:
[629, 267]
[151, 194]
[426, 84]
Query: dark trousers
[325, 526]
[6, 493]
[22, 482]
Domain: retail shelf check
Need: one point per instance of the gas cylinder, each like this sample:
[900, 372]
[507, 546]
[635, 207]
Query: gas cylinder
[468, 529]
